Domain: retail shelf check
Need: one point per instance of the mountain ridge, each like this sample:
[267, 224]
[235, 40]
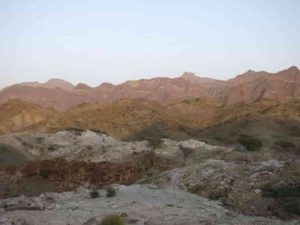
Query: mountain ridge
[247, 87]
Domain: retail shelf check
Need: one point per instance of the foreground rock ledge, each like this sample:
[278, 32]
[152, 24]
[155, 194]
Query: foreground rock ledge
[141, 205]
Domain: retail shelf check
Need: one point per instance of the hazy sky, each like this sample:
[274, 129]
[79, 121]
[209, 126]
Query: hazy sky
[94, 41]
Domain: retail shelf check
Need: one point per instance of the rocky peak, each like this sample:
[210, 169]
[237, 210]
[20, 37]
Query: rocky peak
[105, 85]
[53, 83]
[191, 77]
[293, 69]
[82, 86]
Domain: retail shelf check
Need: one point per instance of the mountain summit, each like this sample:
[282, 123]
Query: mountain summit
[191, 77]
[52, 83]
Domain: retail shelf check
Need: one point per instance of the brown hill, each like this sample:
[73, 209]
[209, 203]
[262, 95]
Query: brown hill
[162, 90]
[140, 119]
[16, 115]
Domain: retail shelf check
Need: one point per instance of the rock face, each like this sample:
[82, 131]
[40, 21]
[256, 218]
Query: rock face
[248, 87]
[86, 146]
[137, 204]
[250, 182]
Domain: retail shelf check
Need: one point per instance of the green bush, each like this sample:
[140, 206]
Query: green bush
[94, 194]
[44, 173]
[251, 143]
[52, 147]
[112, 220]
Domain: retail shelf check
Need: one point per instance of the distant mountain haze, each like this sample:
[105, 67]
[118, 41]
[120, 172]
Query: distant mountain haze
[247, 87]
[52, 83]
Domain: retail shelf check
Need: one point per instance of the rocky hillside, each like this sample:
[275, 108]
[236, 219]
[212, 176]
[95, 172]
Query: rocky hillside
[16, 115]
[137, 119]
[140, 119]
[247, 178]
[252, 86]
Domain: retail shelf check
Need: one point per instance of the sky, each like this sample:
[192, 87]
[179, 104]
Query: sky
[95, 41]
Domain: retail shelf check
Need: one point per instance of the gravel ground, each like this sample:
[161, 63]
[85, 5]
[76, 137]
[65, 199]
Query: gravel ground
[139, 204]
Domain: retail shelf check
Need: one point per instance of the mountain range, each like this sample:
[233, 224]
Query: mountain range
[217, 139]
[247, 87]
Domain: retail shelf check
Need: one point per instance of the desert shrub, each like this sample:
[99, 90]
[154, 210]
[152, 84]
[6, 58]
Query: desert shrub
[89, 147]
[294, 131]
[94, 194]
[112, 220]
[251, 143]
[153, 134]
[284, 144]
[74, 129]
[154, 142]
[52, 147]
[44, 173]
[293, 207]
[77, 131]
[110, 191]
[40, 139]
[281, 192]
[5, 148]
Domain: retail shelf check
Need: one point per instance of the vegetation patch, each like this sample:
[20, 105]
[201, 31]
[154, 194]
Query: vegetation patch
[110, 191]
[94, 194]
[293, 207]
[76, 130]
[44, 173]
[281, 192]
[251, 143]
[52, 147]
[112, 220]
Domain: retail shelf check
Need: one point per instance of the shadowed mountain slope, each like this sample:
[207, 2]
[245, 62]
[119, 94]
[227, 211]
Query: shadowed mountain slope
[128, 119]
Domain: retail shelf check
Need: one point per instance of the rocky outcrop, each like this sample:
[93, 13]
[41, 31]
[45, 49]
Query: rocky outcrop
[259, 182]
